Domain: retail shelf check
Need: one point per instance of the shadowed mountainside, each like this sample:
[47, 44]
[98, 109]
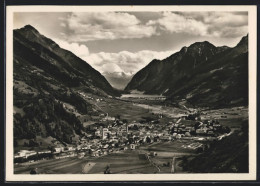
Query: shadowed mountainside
[47, 79]
[202, 74]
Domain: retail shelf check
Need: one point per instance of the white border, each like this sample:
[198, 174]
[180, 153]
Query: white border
[130, 177]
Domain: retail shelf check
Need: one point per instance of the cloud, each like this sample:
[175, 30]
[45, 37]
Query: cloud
[216, 24]
[62, 24]
[111, 67]
[226, 19]
[173, 22]
[124, 61]
[228, 31]
[88, 26]
[79, 50]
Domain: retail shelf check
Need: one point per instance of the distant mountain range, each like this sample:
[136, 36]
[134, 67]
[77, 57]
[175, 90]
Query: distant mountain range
[118, 80]
[201, 74]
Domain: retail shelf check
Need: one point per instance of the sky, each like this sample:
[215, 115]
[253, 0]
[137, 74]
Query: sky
[128, 41]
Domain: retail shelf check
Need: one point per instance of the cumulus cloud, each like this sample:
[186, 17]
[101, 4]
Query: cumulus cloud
[106, 25]
[89, 26]
[78, 49]
[216, 24]
[225, 19]
[124, 61]
[173, 22]
[111, 67]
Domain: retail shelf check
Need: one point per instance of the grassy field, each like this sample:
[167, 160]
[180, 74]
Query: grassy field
[172, 147]
[127, 162]
[166, 151]
[227, 113]
[126, 110]
[54, 166]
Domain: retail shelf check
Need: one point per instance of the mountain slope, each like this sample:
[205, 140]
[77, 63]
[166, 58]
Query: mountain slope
[47, 81]
[31, 44]
[202, 74]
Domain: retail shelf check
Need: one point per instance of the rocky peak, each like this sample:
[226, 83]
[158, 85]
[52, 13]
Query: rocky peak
[32, 34]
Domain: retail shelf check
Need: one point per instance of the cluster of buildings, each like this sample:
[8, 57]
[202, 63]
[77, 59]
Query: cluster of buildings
[82, 94]
[206, 128]
[115, 136]
[118, 136]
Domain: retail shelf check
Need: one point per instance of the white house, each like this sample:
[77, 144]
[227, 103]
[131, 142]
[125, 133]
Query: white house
[132, 146]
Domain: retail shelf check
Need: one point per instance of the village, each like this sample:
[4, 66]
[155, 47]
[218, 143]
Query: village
[115, 135]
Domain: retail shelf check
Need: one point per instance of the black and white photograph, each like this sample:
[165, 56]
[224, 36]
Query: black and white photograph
[131, 93]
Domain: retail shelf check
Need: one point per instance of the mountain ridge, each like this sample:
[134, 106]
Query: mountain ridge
[174, 73]
[73, 61]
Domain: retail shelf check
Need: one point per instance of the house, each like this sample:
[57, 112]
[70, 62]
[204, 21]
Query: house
[166, 138]
[188, 129]
[71, 148]
[26, 153]
[132, 146]
[153, 154]
[201, 131]
[58, 149]
[105, 132]
[187, 134]
[201, 139]
[95, 153]
[174, 134]
[178, 136]
[105, 146]
[160, 134]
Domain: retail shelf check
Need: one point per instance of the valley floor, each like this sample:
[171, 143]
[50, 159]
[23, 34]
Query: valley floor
[168, 158]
